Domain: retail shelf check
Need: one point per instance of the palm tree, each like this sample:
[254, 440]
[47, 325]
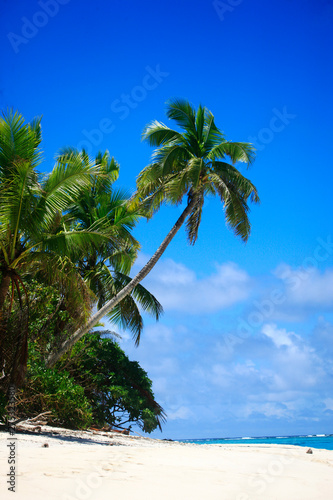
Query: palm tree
[31, 207]
[105, 269]
[191, 164]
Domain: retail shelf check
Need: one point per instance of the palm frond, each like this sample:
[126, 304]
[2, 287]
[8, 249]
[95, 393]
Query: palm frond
[19, 142]
[236, 212]
[243, 185]
[150, 192]
[18, 198]
[235, 206]
[196, 168]
[211, 134]
[145, 299]
[177, 186]
[149, 178]
[73, 243]
[183, 113]
[156, 133]
[108, 173]
[199, 123]
[71, 174]
[169, 157]
[236, 151]
[122, 259]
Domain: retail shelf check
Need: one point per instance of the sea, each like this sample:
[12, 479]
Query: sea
[322, 441]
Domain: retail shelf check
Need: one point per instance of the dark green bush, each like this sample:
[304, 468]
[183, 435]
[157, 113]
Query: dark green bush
[55, 391]
[118, 389]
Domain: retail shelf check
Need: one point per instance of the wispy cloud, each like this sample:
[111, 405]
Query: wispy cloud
[179, 288]
[310, 288]
[280, 337]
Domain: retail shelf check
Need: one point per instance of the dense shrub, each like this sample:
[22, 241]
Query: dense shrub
[118, 389]
[55, 391]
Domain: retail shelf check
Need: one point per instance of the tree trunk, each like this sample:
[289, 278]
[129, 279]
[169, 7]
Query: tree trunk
[67, 344]
[4, 286]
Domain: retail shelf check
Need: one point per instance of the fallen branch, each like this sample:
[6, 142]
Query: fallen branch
[30, 420]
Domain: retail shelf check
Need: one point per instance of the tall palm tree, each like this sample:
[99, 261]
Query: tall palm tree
[192, 164]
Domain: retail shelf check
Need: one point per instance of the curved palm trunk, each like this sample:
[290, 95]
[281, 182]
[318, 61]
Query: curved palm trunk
[67, 344]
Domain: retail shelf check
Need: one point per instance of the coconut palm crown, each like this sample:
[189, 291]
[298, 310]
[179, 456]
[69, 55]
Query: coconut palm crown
[195, 163]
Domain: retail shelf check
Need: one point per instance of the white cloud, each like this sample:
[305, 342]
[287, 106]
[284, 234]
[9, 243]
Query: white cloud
[268, 409]
[181, 413]
[307, 286]
[159, 334]
[329, 403]
[295, 364]
[279, 336]
[171, 273]
[180, 289]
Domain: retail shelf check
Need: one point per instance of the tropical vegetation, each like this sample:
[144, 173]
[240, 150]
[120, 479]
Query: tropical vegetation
[66, 251]
[193, 163]
[66, 235]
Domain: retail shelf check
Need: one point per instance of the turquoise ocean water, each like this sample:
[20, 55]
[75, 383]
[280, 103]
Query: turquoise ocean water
[323, 441]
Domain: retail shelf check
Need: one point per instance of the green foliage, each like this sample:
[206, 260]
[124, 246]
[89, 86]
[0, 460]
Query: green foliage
[32, 236]
[118, 389]
[96, 384]
[53, 313]
[70, 229]
[55, 391]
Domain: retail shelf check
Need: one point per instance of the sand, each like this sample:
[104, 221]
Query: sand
[87, 465]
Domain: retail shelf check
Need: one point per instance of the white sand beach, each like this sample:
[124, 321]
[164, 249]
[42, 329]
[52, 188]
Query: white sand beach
[87, 465]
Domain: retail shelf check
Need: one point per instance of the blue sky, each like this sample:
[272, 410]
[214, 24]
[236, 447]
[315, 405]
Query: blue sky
[245, 346]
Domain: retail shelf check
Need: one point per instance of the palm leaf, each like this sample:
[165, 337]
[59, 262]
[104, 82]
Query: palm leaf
[235, 206]
[243, 185]
[156, 133]
[18, 142]
[196, 167]
[183, 113]
[237, 152]
[199, 123]
[169, 156]
[145, 299]
[211, 134]
[71, 174]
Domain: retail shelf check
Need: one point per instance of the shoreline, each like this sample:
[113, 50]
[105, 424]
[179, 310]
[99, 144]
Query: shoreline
[77, 465]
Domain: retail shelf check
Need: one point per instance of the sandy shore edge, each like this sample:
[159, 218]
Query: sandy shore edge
[78, 465]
